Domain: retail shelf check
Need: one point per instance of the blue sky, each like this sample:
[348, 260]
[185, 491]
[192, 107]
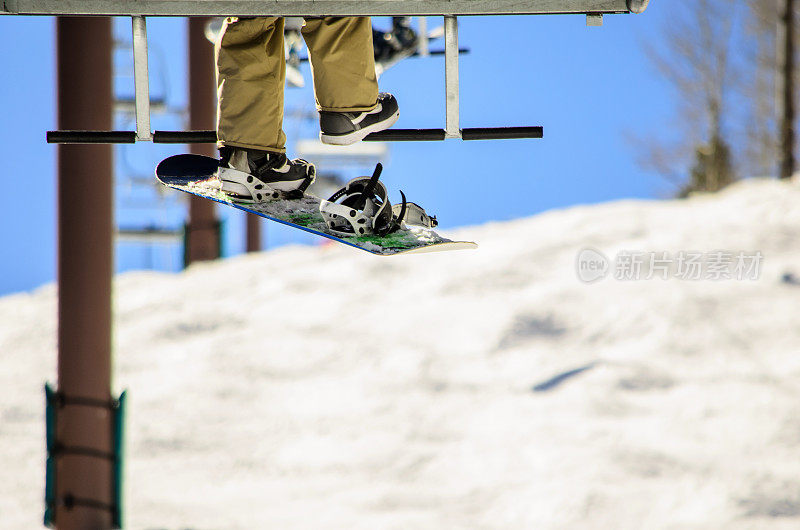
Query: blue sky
[591, 89]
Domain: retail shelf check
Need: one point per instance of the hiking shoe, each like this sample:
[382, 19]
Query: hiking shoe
[345, 128]
[248, 175]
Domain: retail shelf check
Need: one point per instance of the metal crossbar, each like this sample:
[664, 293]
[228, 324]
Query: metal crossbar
[141, 79]
[208, 137]
[317, 7]
[452, 129]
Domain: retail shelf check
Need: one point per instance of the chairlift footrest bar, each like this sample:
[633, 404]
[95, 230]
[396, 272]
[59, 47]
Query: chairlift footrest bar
[406, 135]
[185, 137]
[501, 133]
[91, 137]
[210, 137]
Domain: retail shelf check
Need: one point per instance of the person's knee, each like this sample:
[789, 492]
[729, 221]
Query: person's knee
[242, 30]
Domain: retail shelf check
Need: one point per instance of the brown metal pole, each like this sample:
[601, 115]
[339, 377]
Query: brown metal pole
[253, 233]
[203, 229]
[83, 474]
[788, 162]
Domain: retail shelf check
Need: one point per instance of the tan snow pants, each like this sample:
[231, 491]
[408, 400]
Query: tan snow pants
[251, 74]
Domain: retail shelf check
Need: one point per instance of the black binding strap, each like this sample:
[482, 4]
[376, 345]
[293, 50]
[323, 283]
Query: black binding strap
[69, 501]
[396, 222]
[63, 400]
[60, 449]
[369, 189]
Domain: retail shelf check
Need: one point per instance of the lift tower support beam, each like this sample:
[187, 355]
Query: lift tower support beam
[203, 238]
[84, 431]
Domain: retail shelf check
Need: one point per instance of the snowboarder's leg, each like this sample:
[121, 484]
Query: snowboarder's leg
[345, 84]
[250, 78]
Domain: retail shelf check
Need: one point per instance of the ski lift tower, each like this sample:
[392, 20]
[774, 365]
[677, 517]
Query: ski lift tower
[84, 422]
[335, 160]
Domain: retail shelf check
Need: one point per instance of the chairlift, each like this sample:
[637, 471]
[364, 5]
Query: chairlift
[138, 10]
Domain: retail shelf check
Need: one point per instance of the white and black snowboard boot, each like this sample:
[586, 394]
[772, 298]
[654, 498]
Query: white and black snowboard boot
[248, 175]
[345, 128]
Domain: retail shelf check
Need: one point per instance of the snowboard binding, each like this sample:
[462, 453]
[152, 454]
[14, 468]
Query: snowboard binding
[362, 208]
[266, 179]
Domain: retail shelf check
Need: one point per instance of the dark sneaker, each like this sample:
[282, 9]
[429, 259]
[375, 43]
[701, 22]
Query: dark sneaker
[248, 175]
[345, 128]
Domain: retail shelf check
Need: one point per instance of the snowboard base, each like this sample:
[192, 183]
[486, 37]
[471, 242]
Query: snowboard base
[195, 174]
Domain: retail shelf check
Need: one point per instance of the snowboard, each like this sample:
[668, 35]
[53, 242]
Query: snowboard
[195, 174]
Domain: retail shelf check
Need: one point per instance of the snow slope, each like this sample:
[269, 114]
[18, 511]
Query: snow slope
[325, 388]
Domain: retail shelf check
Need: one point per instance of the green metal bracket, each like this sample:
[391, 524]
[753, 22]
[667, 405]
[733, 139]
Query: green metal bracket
[50, 467]
[54, 401]
[119, 455]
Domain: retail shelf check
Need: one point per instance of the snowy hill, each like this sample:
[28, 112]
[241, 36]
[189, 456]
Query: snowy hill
[325, 388]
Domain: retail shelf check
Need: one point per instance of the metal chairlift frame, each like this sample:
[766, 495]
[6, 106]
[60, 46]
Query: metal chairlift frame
[450, 9]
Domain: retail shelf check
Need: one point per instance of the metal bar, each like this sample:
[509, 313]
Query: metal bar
[91, 137]
[318, 7]
[406, 135]
[422, 46]
[85, 267]
[461, 51]
[210, 137]
[451, 129]
[141, 79]
[501, 133]
[415, 54]
[786, 98]
[185, 137]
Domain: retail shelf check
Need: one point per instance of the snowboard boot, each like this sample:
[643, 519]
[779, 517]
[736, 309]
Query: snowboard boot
[252, 176]
[345, 128]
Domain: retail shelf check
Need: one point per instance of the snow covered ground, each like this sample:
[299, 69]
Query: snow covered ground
[326, 388]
